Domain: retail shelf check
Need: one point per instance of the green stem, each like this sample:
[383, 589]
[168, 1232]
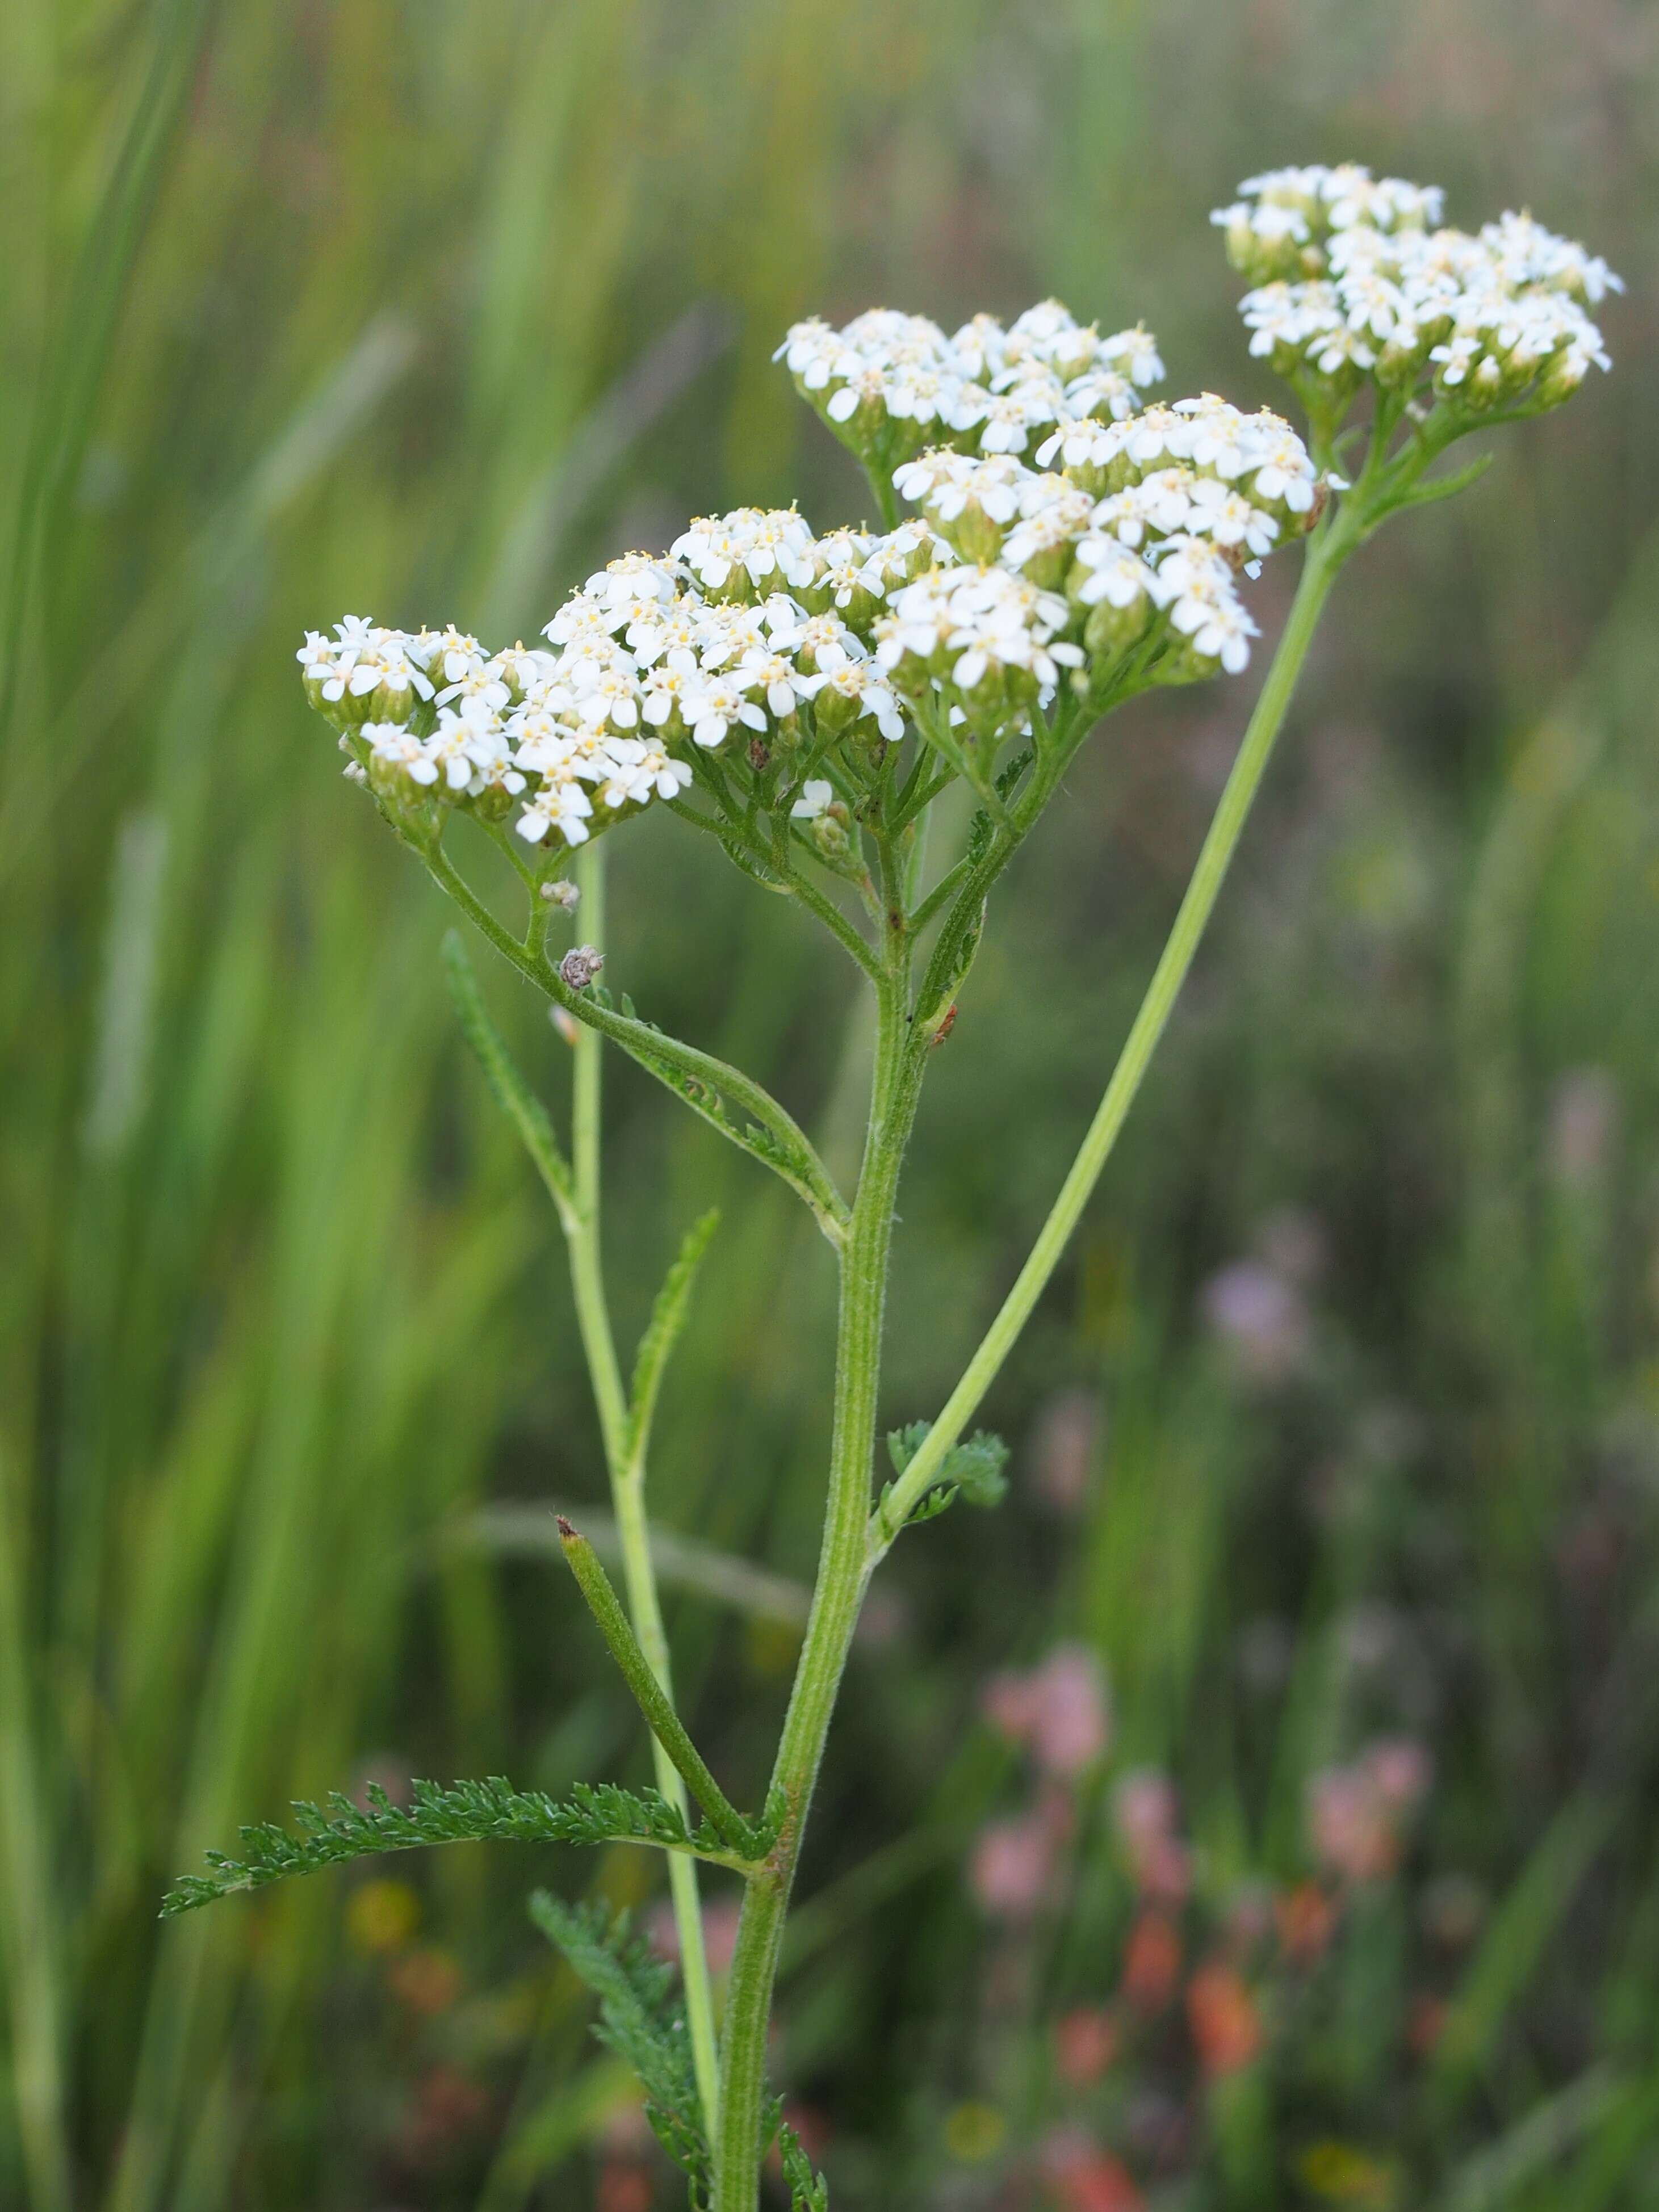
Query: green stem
[836, 1597]
[627, 1473]
[1326, 554]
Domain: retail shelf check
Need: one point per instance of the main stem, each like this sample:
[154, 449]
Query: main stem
[627, 1473]
[836, 1597]
[851, 1546]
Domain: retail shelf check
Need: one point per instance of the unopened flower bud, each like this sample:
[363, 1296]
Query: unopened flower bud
[561, 892]
[830, 831]
[579, 966]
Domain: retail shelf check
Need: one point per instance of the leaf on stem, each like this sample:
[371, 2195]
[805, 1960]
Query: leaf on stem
[639, 2021]
[711, 1089]
[464, 1812]
[747, 1841]
[808, 2190]
[1435, 488]
[972, 1470]
[668, 1317]
[512, 1094]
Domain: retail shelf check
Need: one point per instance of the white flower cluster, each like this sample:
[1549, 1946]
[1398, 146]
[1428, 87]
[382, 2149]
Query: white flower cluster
[651, 661]
[1147, 517]
[1355, 278]
[891, 384]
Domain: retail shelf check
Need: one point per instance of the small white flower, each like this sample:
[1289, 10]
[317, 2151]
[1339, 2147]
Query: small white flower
[1135, 353]
[714, 707]
[778, 680]
[816, 796]
[565, 807]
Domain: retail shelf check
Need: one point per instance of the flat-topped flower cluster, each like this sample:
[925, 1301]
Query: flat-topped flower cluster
[1355, 277]
[754, 640]
[889, 384]
[1074, 542]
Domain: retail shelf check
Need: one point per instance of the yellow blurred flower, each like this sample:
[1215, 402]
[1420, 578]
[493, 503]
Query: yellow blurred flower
[381, 1915]
[1347, 2175]
[975, 2132]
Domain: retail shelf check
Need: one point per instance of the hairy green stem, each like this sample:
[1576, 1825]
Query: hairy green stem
[838, 1592]
[1325, 555]
[627, 1473]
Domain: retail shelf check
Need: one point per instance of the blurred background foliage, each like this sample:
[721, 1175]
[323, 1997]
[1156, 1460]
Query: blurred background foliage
[1336, 1442]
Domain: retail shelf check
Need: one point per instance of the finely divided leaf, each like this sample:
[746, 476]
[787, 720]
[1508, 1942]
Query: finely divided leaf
[638, 2020]
[808, 2192]
[972, 1470]
[466, 1812]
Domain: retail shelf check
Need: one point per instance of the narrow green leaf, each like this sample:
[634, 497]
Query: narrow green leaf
[514, 1096]
[711, 1088]
[743, 1837]
[1516, 1938]
[1448, 487]
[639, 2021]
[668, 1317]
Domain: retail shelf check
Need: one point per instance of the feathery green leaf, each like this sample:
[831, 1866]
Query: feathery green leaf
[808, 2192]
[465, 1812]
[639, 2021]
[972, 1470]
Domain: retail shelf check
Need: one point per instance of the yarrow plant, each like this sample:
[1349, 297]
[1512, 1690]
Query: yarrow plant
[804, 701]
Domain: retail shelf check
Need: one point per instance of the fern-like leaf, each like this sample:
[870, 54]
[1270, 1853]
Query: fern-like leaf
[972, 1470]
[640, 2020]
[464, 1812]
[808, 2190]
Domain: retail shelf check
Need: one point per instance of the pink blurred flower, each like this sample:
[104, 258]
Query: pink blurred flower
[1262, 1318]
[1064, 1449]
[1086, 2044]
[1059, 1710]
[1349, 1825]
[1012, 1864]
[1160, 1865]
[1356, 1814]
[1583, 1115]
[1401, 1770]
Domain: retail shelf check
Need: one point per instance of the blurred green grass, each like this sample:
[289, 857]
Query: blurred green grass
[422, 311]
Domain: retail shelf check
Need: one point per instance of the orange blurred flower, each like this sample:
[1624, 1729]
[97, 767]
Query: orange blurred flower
[1223, 2017]
[1151, 1961]
[426, 1981]
[1427, 2024]
[1306, 1918]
